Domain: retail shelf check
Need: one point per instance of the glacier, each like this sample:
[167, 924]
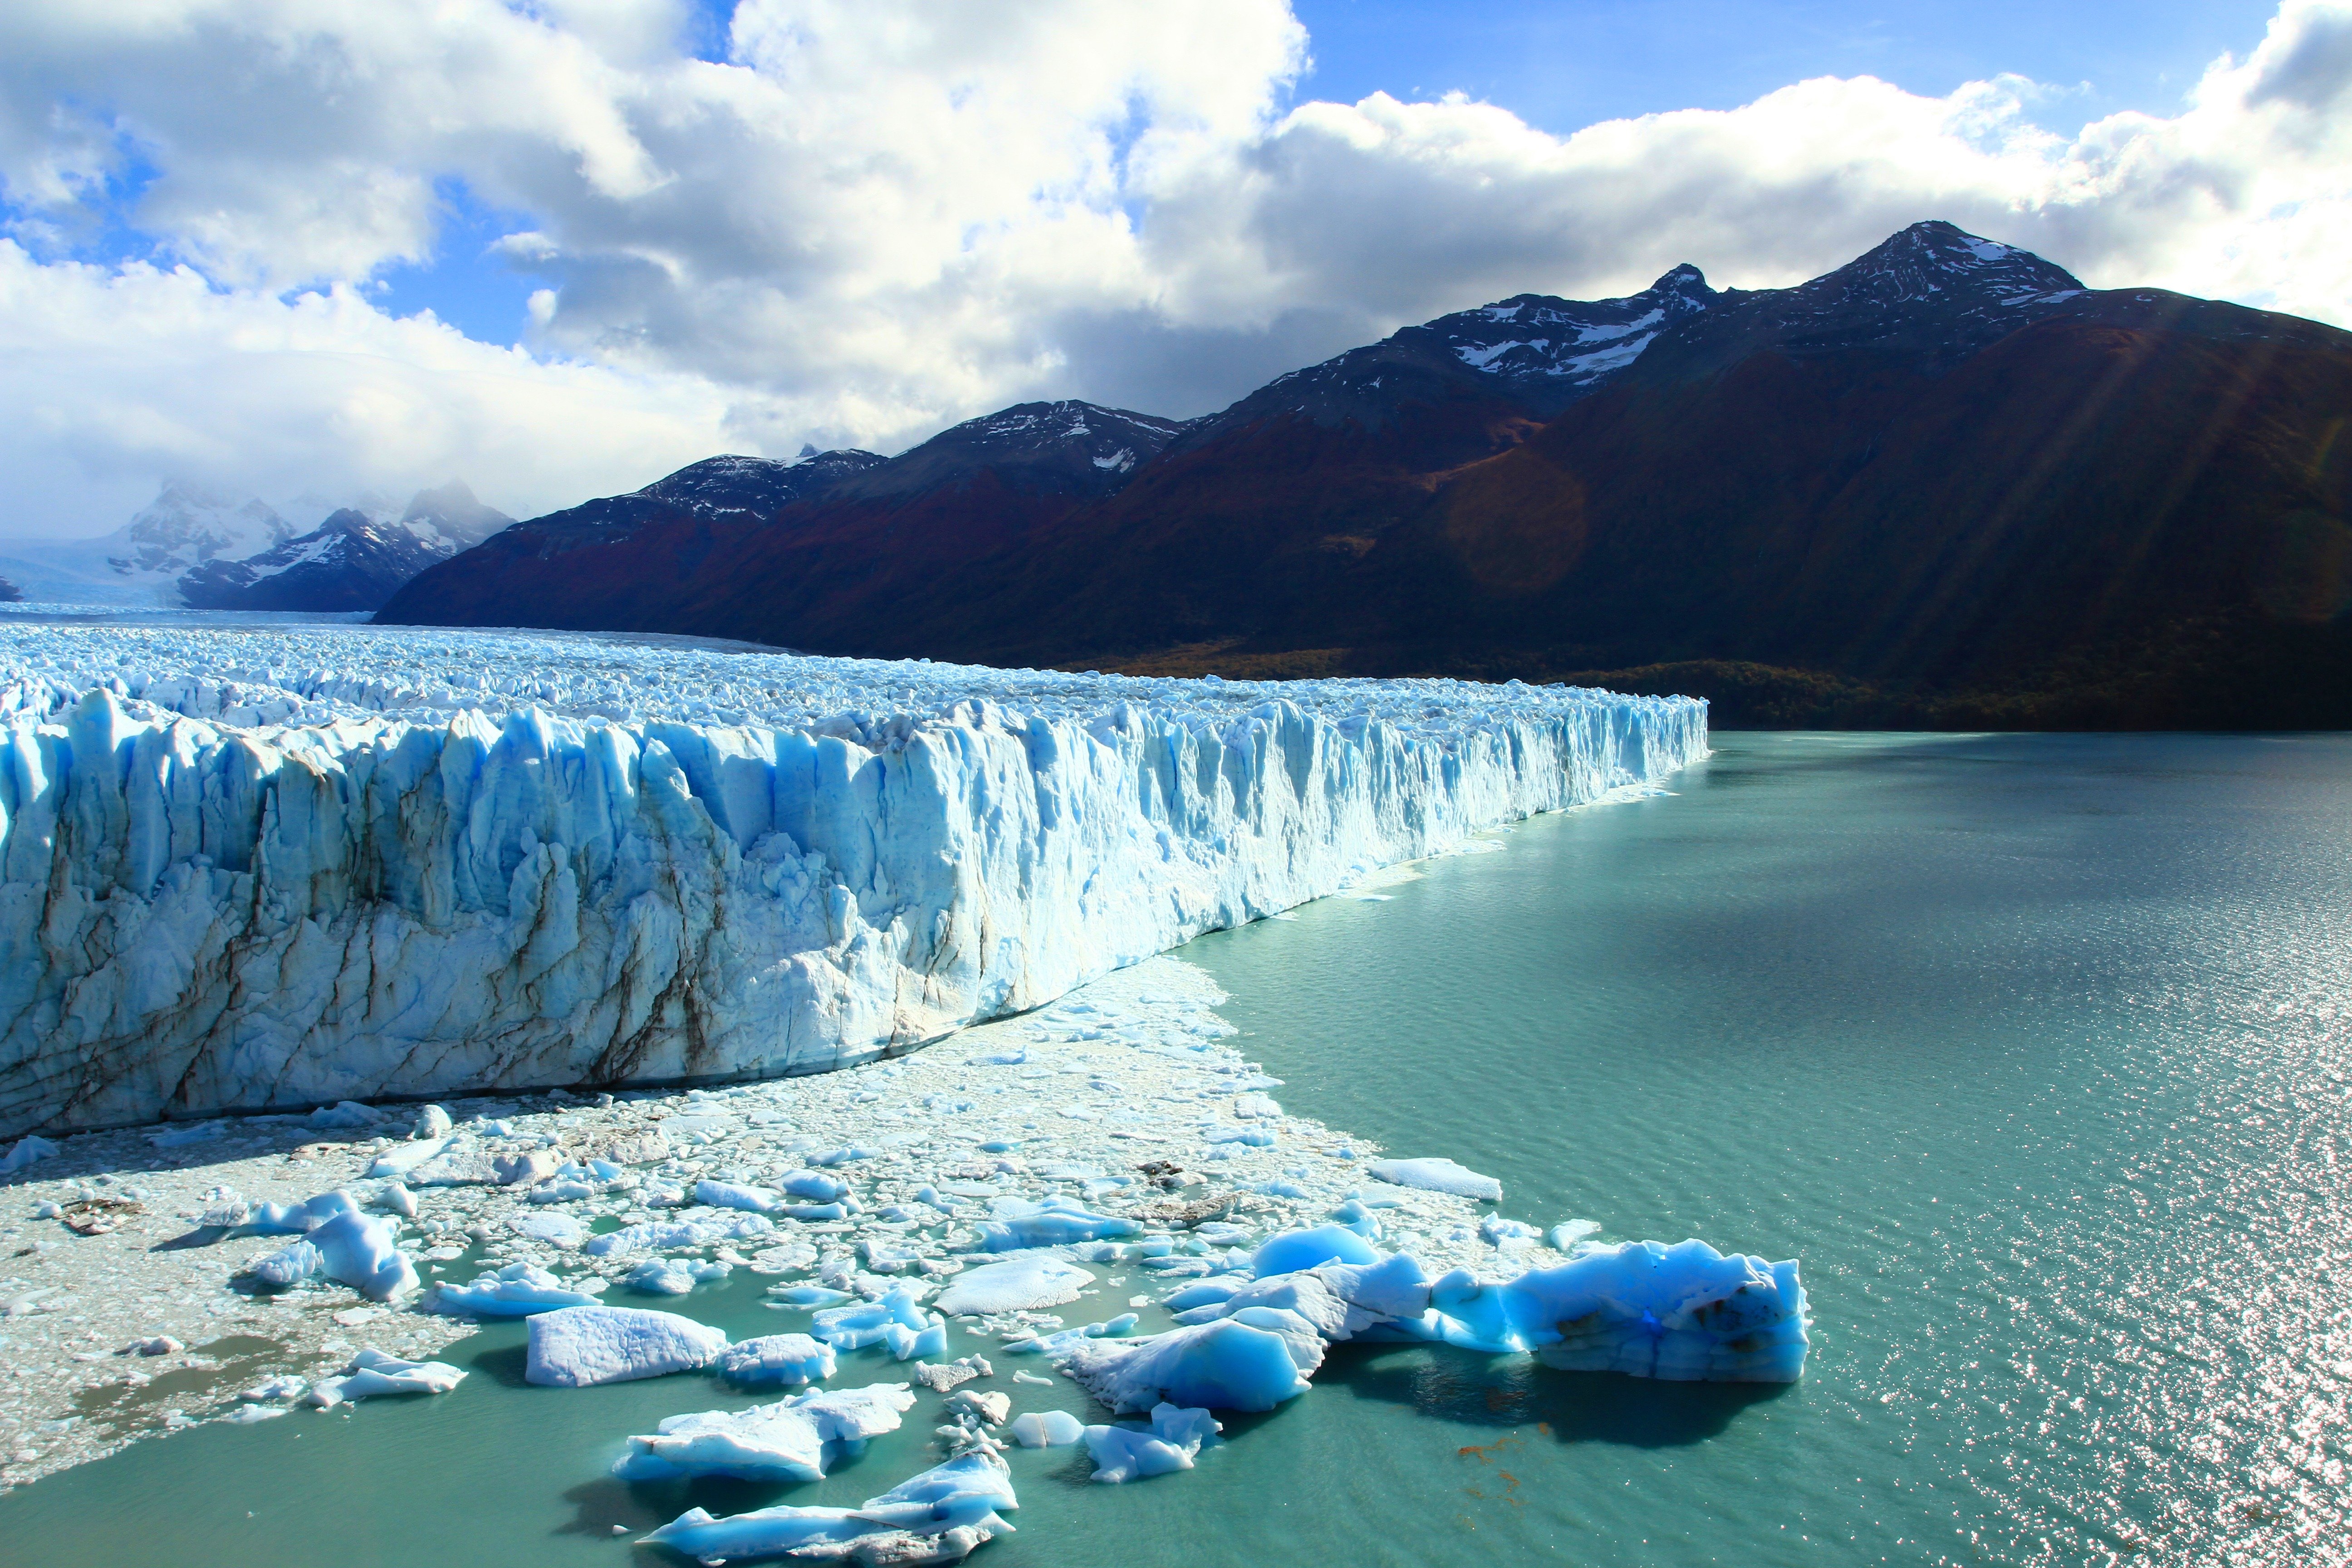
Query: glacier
[246, 869]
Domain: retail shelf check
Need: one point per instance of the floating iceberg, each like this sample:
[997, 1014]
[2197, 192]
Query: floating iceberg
[322, 866]
[795, 1439]
[939, 1516]
[576, 1347]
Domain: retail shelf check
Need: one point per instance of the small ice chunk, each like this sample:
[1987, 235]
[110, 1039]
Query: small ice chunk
[1500, 1232]
[295, 1219]
[735, 1195]
[160, 1345]
[817, 1186]
[1016, 1285]
[1438, 1175]
[774, 1361]
[1125, 1454]
[1564, 1237]
[1054, 1222]
[578, 1347]
[28, 1149]
[1229, 1364]
[348, 1115]
[939, 1516]
[518, 1290]
[373, 1371]
[806, 1296]
[951, 1373]
[295, 1263]
[991, 1407]
[661, 1276]
[906, 1343]
[795, 1439]
[868, 1322]
[358, 1250]
[1046, 1428]
[555, 1229]
[527, 1169]
[397, 1199]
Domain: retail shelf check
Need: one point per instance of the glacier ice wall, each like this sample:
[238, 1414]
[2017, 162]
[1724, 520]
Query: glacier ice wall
[248, 869]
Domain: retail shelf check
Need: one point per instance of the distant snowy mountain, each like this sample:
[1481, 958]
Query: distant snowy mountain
[203, 548]
[354, 560]
[141, 561]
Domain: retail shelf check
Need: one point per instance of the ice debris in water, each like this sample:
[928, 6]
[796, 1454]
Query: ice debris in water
[371, 1373]
[939, 1516]
[795, 1439]
[585, 824]
[1018, 1284]
[576, 1347]
[1439, 1175]
[1174, 1437]
[776, 1361]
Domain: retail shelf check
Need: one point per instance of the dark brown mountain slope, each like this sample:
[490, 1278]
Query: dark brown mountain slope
[1944, 485]
[2088, 523]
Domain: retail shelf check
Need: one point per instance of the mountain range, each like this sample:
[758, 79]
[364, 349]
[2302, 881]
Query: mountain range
[198, 547]
[1945, 484]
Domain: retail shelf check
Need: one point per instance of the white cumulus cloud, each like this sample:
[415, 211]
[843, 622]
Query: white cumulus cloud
[863, 221]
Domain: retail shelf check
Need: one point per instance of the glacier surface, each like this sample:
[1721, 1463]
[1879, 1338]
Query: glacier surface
[250, 867]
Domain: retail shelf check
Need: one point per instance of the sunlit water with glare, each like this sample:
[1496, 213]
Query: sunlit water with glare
[2033, 1050]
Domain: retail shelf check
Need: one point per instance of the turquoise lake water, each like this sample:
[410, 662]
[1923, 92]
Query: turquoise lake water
[2033, 1050]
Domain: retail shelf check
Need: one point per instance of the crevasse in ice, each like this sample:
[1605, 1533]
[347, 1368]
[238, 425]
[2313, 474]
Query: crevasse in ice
[250, 868]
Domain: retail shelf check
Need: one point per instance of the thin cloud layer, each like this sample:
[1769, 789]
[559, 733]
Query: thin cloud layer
[867, 221]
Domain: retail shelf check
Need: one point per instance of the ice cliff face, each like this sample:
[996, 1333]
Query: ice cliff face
[250, 870]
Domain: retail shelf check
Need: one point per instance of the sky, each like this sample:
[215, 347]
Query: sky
[560, 247]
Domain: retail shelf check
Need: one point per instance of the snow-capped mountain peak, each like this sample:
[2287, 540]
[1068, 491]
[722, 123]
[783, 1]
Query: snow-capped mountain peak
[188, 523]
